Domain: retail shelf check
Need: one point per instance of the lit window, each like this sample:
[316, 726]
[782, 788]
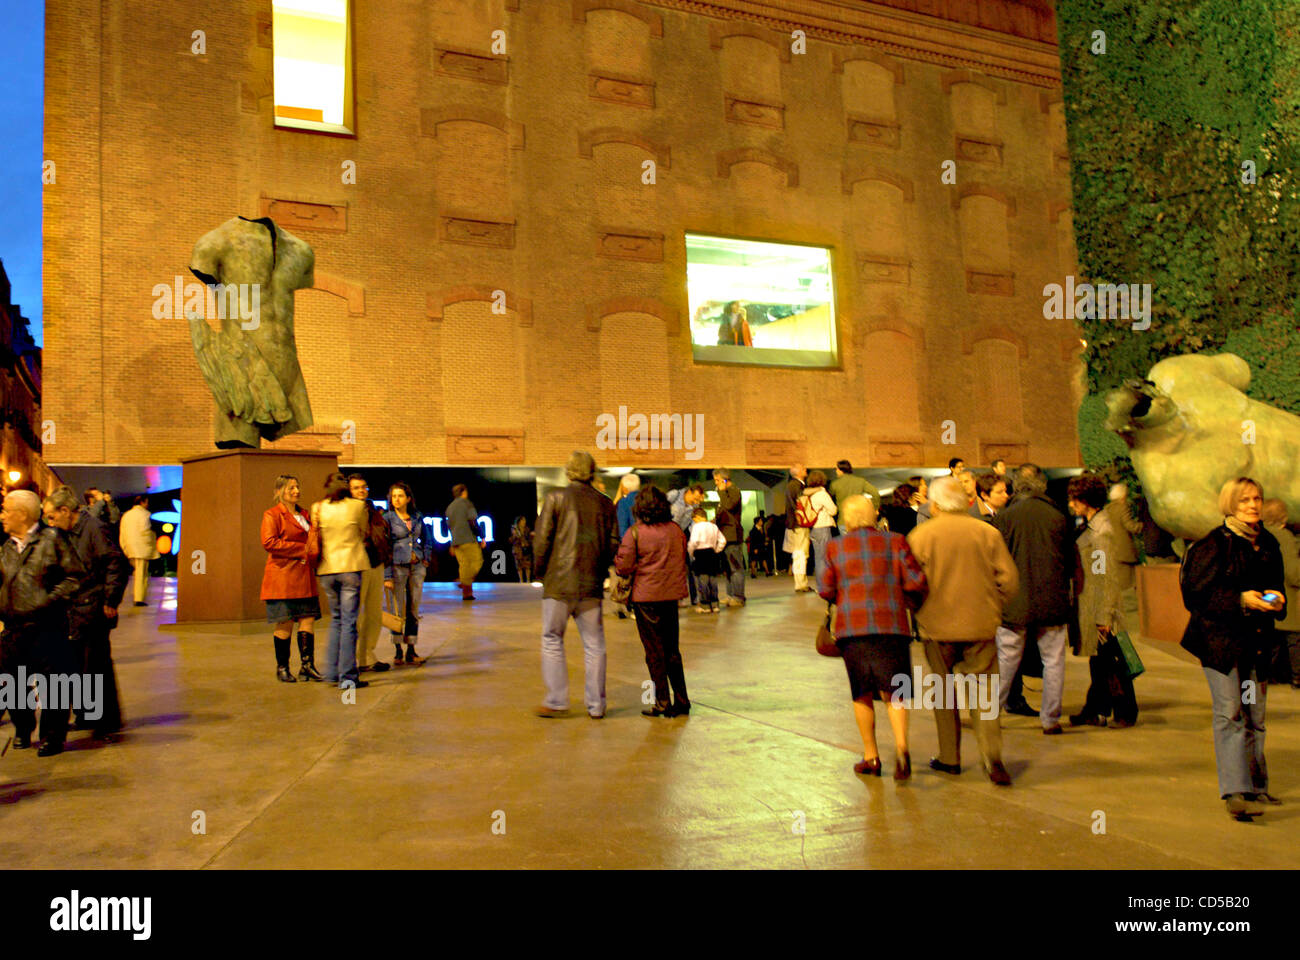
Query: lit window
[313, 65]
[763, 303]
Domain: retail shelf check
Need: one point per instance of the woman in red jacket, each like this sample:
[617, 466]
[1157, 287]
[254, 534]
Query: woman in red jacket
[289, 583]
[654, 552]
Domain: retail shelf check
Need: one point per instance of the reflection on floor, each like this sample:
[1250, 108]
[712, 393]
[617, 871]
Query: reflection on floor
[222, 766]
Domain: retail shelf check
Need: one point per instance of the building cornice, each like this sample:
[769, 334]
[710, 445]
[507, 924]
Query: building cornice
[899, 33]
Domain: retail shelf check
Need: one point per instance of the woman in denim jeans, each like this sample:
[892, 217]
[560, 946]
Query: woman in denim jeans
[412, 551]
[342, 522]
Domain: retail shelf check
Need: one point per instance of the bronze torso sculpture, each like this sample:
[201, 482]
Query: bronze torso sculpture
[251, 366]
[1190, 428]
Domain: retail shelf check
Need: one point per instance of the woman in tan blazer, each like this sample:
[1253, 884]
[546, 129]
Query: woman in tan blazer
[342, 522]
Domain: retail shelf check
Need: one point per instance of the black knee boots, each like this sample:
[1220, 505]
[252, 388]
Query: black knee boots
[307, 654]
[282, 660]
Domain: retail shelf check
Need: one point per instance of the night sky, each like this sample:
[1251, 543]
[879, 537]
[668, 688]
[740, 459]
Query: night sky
[22, 82]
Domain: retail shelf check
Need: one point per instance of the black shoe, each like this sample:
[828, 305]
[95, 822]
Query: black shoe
[937, 764]
[283, 675]
[22, 743]
[1087, 720]
[903, 767]
[381, 667]
[353, 684]
[658, 710]
[1022, 709]
[307, 655]
[411, 658]
[141, 603]
[681, 708]
[49, 749]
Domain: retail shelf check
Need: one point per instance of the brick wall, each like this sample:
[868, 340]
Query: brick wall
[475, 175]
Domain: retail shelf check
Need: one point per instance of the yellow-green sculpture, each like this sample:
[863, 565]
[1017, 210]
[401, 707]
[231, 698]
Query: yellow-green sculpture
[1190, 428]
[252, 268]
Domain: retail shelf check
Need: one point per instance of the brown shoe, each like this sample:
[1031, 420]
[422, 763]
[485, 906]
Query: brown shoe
[1053, 731]
[550, 714]
[998, 774]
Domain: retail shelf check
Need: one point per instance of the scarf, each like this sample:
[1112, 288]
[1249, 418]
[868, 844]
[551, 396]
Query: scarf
[1242, 529]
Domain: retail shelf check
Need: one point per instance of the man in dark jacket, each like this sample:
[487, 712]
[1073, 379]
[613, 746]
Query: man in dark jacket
[1038, 536]
[41, 575]
[573, 547]
[727, 518]
[93, 613]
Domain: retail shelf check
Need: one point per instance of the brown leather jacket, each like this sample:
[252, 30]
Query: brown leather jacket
[575, 542]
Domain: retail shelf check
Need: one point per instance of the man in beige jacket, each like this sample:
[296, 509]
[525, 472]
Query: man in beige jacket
[971, 575]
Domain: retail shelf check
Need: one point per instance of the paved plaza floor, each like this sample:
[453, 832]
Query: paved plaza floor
[445, 765]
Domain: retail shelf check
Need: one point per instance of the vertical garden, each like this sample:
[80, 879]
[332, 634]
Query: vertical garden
[1184, 131]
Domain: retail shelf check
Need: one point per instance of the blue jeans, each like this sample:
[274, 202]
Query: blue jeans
[555, 672]
[735, 561]
[343, 592]
[1238, 733]
[408, 588]
[821, 536]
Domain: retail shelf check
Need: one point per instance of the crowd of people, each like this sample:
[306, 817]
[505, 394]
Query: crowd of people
[985, 572]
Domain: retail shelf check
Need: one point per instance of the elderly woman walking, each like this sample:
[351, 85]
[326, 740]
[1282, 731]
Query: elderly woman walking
[874, 580]
[653, 553]
[1234, 586]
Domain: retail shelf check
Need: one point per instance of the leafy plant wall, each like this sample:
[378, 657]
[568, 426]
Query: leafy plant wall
[1163, 128]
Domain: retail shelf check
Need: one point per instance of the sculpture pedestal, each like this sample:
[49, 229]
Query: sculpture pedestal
[223, 497]
[1161, 614]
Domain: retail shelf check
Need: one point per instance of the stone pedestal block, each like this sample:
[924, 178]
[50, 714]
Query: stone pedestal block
[1161, 614]
[223, 497]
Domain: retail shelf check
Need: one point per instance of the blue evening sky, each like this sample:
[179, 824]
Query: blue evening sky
[22, 83]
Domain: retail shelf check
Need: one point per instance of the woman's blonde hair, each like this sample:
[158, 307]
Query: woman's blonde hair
[858, 512]
[629, 483]
[281, 482]
[1232, 493]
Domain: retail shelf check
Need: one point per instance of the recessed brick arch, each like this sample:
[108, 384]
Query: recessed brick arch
[594, 138]
[437, 301]
[994, 331]
[670, 315]
[729, 158]
[353, 293]
[431, 118]
[913, 331]
[718, 32]
[984, 190]
[839, 58]
[652, 20]
[871, 171]
[953, 77]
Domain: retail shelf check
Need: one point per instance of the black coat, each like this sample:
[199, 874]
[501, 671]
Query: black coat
[727, 516]
[41, 580]
[106, 567]
[575, 542]
[793, 491]
[1038, 536]
[1216, 571]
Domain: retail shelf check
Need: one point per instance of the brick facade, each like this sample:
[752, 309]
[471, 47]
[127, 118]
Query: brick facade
[523, 173]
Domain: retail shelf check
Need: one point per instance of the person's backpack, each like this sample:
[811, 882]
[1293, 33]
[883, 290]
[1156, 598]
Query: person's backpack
[804, 512]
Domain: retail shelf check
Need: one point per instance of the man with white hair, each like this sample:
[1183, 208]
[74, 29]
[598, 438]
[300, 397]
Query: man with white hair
[971, 577]
[41, 575]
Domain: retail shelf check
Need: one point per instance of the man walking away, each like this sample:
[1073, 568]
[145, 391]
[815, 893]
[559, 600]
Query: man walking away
[727, 517]
[466, 545]
[848, 484]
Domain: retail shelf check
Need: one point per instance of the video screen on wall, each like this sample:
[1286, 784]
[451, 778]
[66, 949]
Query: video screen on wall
[757, 302]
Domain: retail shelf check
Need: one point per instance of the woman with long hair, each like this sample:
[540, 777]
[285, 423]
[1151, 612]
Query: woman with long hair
[624, 499]
[342, 521]
[289, 582]
[653, 552]
[412, 550]
[1233, 584]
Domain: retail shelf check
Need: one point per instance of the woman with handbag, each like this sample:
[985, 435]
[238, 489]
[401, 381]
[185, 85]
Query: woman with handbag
[874, 580]
[412, 551]
[1233, 584]
[340, 524]
[817, 504]
[289, 582]
[1100, 615]
[653, 554]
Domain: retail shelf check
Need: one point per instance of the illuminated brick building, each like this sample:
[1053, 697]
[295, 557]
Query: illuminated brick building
[499, 194]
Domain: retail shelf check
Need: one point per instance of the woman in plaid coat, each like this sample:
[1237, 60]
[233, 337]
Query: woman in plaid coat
[873, 580]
